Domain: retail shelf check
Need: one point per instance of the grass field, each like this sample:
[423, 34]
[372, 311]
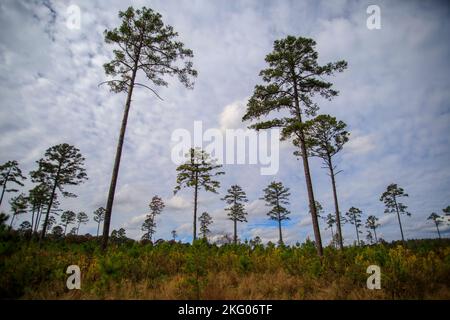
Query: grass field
[420, 269]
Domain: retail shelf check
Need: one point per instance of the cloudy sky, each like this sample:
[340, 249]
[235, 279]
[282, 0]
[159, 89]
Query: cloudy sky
[394, 97]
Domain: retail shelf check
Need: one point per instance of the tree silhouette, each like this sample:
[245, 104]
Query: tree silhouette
[392, 205]
[198, 172]
[50, 223]
[174, 234]
[205, 221]
[325, 137]
[354, 217]
[369, 236]
[292, 80]
[236, 198]
[58, 231]
[38, 198]
[25, 227]
[68, 217]
[256, 241]
[330, 220]
[372, 224]
[10, 173]
[72, 231]
[53, 210]
[99, 216]
[62, 165]
[143, 45]
[119, 236]
[437, 221]
[446, 211]
[19, 205]
[82, 218]
[277, 197]
[149, 225]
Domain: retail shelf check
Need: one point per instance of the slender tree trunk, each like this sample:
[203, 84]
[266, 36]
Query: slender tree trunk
[32, 219]
[65, 229]
[375, 233]
[309, 187]
[12, 219]
[115, 173]
[38, 218]
[312, 204]
[4, 186]
[98, 227]
[357, 233]
[437, 227]
[3, 192]
[78, 228]
[152, 230]
[279, 231]
[398, 216]
[194, 235]
[336, 207]
[235, 231]
[332, 235]
[50, 204]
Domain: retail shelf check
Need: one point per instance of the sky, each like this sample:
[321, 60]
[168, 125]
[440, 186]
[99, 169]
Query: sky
[394, 97]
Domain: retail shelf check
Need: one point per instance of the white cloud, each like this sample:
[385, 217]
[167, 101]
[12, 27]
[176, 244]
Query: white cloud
[231, 116]
[360, 144]
[178, 203]
[306, 221]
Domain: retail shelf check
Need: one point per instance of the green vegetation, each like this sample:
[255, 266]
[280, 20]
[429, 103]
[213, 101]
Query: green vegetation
[420, 269]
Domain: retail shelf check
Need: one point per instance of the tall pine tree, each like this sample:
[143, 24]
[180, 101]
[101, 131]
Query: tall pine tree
[372, 224]
[143, 44]
[292, 80]
[19, 205]
[392, 205]
[354, 217]
[38, 198]
[330, 220]
[236, 198]
[82, 218]
[277, 197]
[198, 172]
[437, 221]
[325, 138]
[205, 221]
[99, 216]
[68, 217]
[10, 173]
[149, 225]
[62, 165]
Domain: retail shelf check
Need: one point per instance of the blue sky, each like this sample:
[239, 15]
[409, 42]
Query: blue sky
[394, 97]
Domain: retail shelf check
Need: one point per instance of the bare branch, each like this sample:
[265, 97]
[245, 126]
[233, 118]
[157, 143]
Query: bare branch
[115, 80]
[143, 85]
